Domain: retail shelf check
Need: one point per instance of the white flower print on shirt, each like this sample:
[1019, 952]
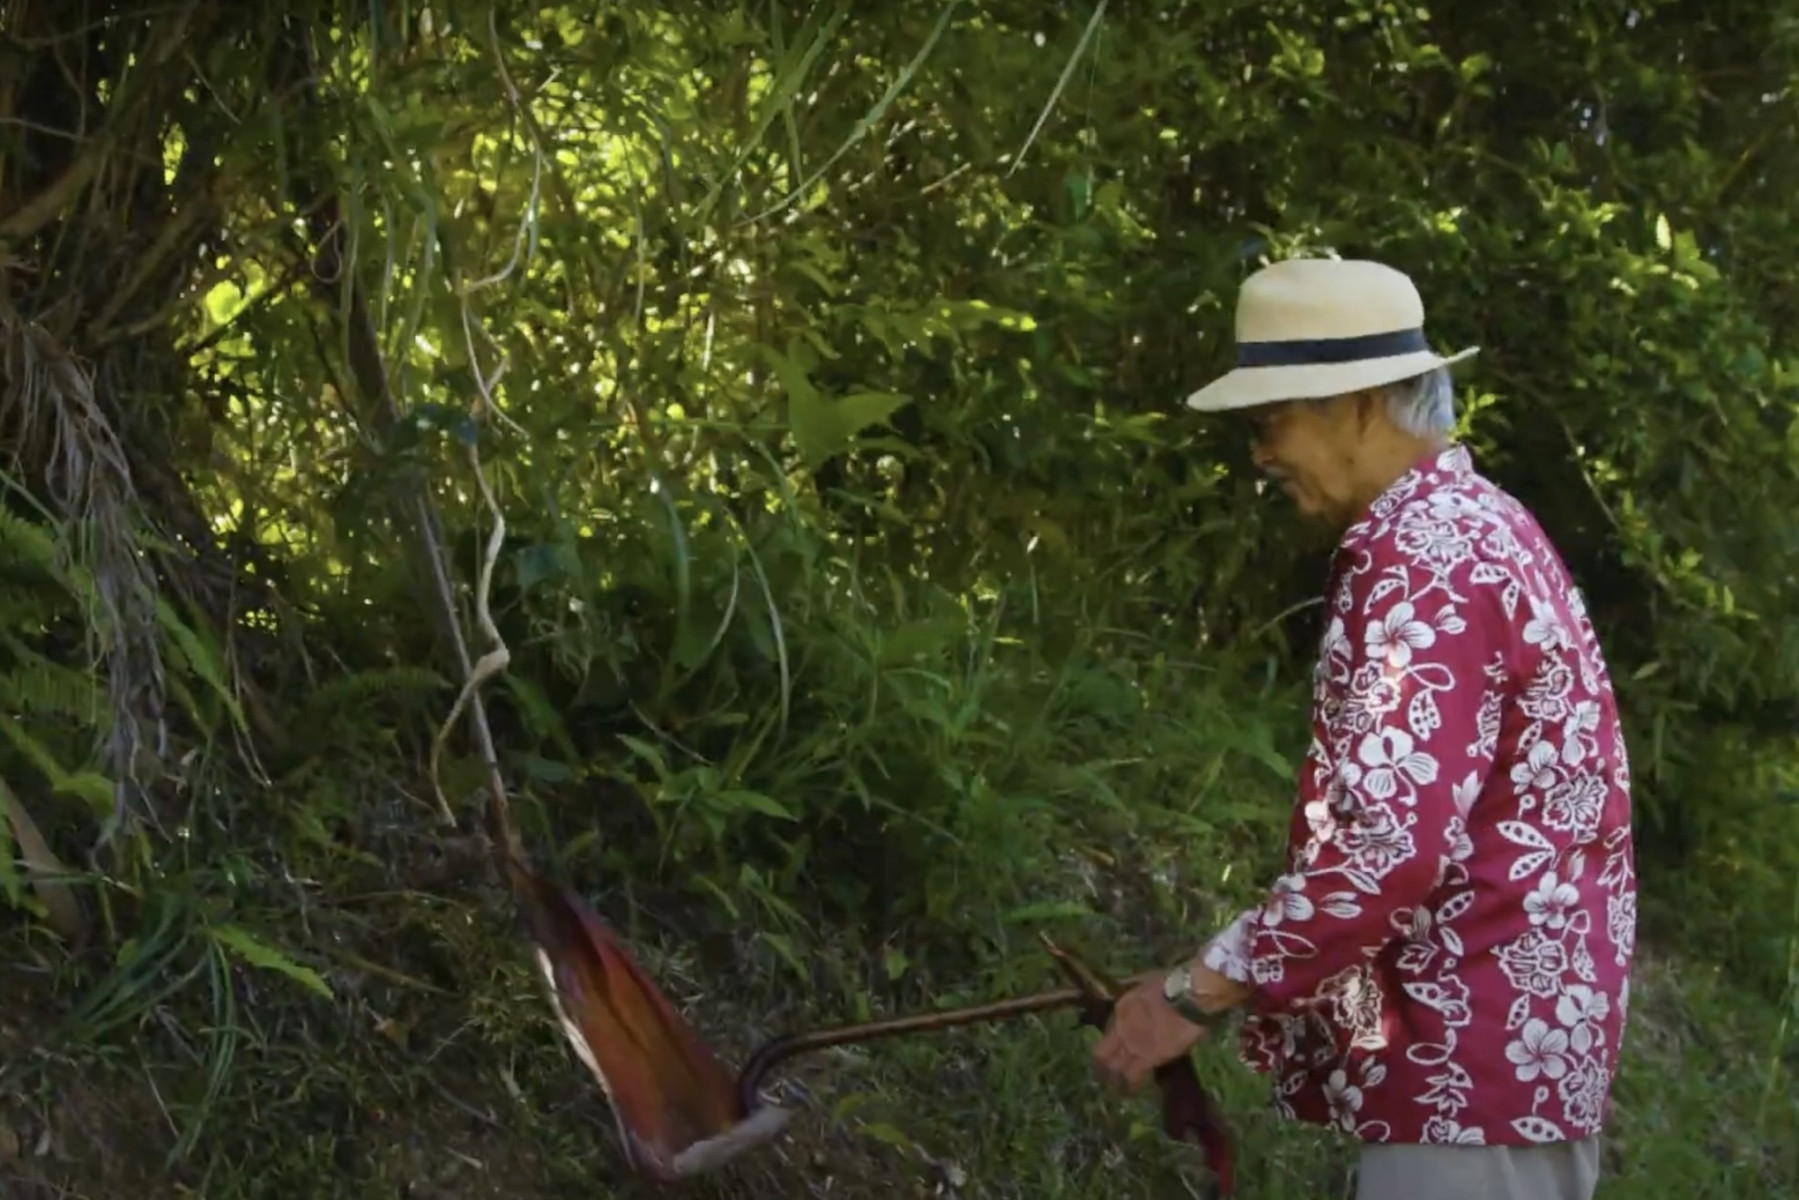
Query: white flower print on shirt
[1499, 544]
[1577, 731]
[1534, 964]
[1487, 721]
[1288, 901]
[1574, 806]
[1546, 698]
[1344, 1098]
[1537, 773]
[1545, 629]
[1373, 693]
[1461, 846]
[1388, 757]
[1618, 874]
[1438, 545]
[1393, 638]
[1548, 905]
[1621, 925]
[1539, 1050]
[1376, 843]
[1444, 1131]
[1582, 1092]
[1335, 645]
[1449, 1089]
[1351, 1000]
[1582, 1012]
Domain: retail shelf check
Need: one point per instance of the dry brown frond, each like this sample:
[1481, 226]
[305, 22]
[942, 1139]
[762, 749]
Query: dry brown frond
[43, 870]
[60, 440]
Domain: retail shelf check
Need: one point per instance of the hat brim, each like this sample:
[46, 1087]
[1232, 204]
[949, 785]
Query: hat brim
[1250, 387]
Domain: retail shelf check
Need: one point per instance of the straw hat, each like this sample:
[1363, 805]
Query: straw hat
[1308, 328]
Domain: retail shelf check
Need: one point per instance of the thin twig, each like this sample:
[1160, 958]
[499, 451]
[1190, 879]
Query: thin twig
[528, 223]
[491, 663]
[1061, 83]
[873, 117]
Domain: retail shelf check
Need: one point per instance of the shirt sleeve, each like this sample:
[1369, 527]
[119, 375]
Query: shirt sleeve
[1405, 722]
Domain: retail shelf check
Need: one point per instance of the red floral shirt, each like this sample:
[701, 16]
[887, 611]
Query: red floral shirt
[1448, 957]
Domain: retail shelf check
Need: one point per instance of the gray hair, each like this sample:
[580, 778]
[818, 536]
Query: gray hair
[1424, 405]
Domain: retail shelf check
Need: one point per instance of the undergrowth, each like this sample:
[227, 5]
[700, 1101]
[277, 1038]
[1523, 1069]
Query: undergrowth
[329, 1000]
[433, 1072]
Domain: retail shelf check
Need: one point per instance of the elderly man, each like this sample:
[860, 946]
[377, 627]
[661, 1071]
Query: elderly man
[1443, 970]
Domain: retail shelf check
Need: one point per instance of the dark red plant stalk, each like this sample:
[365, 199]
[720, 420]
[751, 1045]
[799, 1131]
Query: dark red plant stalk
[1187, 1109]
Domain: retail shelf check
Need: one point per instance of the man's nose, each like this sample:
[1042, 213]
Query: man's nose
[1258, 454]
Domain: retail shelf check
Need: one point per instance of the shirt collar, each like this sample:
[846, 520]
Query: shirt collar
[1451, 465]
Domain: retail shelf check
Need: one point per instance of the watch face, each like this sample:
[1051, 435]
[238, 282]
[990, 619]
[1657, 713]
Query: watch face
[1177, 983]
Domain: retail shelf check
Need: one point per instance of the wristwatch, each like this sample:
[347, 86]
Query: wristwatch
[1177, 989]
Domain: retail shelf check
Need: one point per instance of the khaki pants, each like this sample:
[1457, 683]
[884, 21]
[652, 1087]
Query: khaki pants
[1563, 1171]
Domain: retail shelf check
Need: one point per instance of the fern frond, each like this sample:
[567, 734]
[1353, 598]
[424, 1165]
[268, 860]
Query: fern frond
[33, 685]
[356, 691]
[30, 542]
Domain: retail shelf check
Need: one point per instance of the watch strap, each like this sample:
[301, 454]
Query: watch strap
[1177, 989]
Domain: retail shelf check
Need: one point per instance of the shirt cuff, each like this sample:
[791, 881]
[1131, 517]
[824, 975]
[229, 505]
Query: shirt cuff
[1228, 953]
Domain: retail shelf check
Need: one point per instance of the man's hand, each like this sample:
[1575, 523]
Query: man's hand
[1146, 1032]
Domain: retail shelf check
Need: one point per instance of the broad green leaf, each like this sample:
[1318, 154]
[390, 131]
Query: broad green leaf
[823, 427]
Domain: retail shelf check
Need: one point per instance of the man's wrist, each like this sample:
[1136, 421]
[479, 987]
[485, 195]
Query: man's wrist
[1196, 1007]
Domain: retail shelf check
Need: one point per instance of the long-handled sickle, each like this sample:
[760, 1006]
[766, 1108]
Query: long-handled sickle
[779, 1049]
[680, 1112]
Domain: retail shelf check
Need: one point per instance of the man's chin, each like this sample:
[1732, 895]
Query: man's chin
[1310, 510]
[1305, 505]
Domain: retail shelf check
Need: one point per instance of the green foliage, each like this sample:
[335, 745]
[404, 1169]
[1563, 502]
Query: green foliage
[871, 603]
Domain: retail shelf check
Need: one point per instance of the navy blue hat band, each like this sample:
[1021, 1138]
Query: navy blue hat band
[1323, 351]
